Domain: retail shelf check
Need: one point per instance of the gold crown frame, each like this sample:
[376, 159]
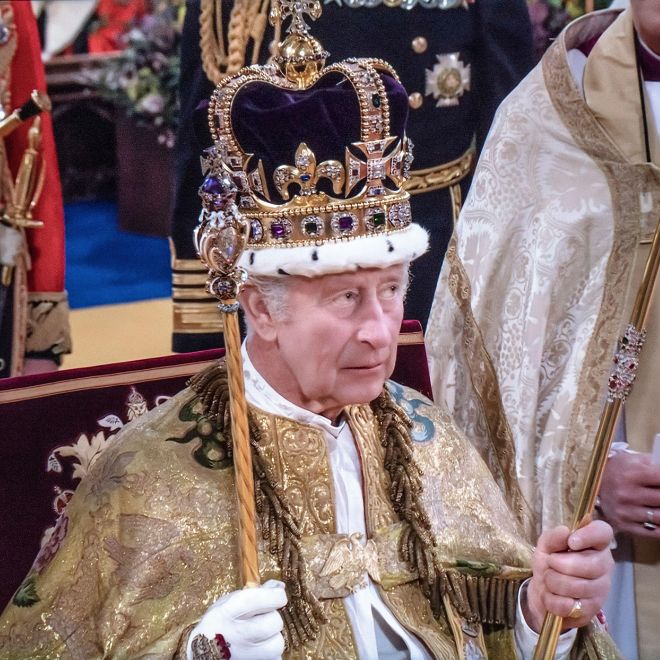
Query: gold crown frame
[370, 205]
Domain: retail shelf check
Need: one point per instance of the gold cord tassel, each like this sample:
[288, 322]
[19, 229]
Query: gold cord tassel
[303, 614]
[247, 22]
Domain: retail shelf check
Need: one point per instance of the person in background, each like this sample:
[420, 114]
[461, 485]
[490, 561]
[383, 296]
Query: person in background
[539, 283]
[85, 26]
[34, 322]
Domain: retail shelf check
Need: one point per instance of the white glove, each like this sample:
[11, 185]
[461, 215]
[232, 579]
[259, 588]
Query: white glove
[248, 620]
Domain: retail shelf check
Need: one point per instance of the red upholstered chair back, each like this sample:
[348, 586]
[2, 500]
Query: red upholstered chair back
[54, 424]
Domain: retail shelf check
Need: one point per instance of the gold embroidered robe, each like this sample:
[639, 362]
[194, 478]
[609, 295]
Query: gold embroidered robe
[148, 541]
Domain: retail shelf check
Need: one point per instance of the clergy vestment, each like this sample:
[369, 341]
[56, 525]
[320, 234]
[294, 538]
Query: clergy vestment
[541, 276]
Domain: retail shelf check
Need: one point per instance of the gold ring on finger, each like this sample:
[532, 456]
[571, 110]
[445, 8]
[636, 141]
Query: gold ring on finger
[576, 610]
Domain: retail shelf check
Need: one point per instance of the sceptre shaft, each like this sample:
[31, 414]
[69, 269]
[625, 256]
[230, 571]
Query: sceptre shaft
[220, 239]
[621, 380]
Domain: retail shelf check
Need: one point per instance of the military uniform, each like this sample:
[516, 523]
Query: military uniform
[33, 302]
[457, 63]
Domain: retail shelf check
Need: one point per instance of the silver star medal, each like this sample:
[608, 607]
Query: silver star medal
[447, 80]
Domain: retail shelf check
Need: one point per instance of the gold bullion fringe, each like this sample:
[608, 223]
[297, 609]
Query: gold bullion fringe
[416, 545]
[303, 614]
[487, 599]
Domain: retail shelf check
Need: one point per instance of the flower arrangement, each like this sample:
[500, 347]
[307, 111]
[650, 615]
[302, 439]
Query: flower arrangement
[144, 77]
[550, 17]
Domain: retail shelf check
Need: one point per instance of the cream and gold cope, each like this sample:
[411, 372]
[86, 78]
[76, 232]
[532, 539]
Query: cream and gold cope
[541, 273]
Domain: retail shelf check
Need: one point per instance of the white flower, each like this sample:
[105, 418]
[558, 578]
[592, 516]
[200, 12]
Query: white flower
[151, 104]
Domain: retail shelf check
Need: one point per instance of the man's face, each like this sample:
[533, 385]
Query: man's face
[646, 15]
[337, 344]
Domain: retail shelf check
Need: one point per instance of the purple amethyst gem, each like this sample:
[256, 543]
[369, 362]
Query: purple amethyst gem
[277, 229]
[345, 223]
[220, 186]
[212, 185]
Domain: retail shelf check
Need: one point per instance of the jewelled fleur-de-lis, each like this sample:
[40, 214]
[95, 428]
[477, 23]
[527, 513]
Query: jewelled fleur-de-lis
[307, 173]
[283, 9]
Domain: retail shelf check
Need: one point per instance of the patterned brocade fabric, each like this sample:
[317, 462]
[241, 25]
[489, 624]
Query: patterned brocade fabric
[148, 541]
[532, 295]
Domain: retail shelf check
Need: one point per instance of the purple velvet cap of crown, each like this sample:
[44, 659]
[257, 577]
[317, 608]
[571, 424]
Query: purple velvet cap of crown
[271, 122]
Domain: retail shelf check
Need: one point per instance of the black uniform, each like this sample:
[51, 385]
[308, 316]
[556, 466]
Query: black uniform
[457, 64]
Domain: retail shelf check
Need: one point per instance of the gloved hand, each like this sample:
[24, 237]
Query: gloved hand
[249, 622]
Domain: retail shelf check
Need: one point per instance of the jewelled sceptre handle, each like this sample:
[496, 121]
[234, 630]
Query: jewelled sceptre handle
[621, 380]
[220, 238]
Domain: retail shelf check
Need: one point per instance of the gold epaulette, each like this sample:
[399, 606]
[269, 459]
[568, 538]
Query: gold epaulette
[225, 55]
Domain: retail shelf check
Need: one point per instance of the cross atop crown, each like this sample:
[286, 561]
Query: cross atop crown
[295, 9]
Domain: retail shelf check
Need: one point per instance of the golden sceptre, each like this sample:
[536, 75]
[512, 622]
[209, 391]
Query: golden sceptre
[220, 239]
[621, 380]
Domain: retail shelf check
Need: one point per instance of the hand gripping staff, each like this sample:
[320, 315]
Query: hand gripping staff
[620, 383]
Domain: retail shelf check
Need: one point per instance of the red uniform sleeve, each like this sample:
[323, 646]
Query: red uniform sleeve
[47, 243]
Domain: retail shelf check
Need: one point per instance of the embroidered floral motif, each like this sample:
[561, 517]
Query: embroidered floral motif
[423, 428]
[26, 595]
[112, 473]
[213, 451]
[85, 451]
[51, 542]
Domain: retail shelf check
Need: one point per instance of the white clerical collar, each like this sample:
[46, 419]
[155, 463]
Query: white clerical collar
[261, 395]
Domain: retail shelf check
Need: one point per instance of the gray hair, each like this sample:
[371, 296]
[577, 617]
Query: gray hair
[274, 292]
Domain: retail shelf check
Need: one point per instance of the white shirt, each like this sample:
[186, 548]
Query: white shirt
[376, 631]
